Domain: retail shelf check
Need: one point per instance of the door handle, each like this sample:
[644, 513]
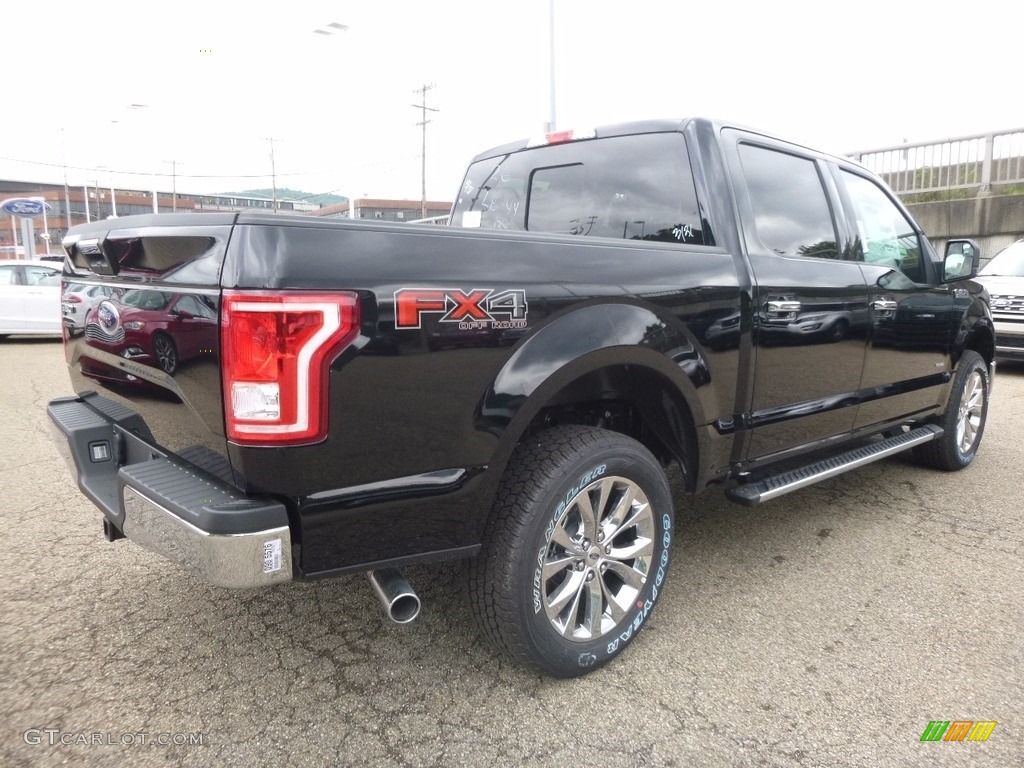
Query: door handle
[778, 308]
[884, 305]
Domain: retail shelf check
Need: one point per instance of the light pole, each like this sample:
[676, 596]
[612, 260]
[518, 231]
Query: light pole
[550, 127]
[138, 108]
[113, 197]
[330, 30]
[46, 227]
[273, 172]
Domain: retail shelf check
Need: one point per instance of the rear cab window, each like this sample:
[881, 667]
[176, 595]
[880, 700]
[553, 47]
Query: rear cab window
[637, 187]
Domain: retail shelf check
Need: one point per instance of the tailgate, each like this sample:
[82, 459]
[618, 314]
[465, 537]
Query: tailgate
[147, 335]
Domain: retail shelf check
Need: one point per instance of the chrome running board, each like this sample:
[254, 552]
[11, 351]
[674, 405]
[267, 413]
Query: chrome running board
[773, 486]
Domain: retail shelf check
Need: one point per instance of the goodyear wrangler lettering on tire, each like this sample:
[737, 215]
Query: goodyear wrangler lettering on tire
[659, 577]
[576, 552]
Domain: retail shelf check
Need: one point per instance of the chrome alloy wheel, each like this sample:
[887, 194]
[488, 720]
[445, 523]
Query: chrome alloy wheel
[972, 407]
[597, 558]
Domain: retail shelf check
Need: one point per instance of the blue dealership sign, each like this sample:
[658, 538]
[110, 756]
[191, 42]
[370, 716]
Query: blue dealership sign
[25, 207]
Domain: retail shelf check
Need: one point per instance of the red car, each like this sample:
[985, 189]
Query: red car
[155, 328]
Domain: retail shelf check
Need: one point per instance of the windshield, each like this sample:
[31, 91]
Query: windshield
[1009, 261]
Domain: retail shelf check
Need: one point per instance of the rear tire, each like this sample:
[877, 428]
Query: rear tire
[575, 552]
[964, 419]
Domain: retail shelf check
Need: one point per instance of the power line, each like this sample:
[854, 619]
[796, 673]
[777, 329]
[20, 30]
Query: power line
[91, 169]
[391, 163]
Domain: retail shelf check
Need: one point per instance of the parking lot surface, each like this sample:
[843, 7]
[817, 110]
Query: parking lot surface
[828, 628]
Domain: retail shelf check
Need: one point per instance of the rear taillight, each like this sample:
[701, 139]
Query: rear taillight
[72, 298]
[276, 352]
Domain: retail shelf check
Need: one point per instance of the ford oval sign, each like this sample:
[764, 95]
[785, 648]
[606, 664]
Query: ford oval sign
[25, 207]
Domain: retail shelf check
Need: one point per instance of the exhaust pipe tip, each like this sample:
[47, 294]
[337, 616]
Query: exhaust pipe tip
[400, 602]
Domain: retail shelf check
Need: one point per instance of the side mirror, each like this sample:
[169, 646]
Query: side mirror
[961, 260]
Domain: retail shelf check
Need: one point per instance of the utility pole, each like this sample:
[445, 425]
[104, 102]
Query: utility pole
[423, 172]
[174, 184]
[273, 171]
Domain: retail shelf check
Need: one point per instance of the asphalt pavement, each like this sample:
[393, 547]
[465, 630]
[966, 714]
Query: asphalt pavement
[827, 628]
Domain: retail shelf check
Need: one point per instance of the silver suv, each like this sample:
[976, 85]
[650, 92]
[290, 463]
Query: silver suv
[1003, 276]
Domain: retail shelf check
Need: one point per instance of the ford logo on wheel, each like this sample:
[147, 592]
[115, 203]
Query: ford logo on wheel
[108, 316]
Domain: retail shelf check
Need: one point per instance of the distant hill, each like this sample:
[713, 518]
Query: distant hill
[283, 193]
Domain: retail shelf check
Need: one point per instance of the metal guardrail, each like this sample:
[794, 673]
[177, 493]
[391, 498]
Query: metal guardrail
[966, 162]
[439, 220]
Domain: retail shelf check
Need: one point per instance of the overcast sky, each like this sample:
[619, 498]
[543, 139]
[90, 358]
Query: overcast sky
[220, 78]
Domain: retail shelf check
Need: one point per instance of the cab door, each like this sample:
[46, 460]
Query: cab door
[914, 318]
[811, 315]
[41, 298]
[12, 299]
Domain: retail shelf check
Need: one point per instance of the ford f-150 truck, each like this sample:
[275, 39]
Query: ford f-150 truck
[295, 397]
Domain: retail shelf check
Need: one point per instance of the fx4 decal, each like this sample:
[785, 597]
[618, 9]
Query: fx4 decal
[477, 308]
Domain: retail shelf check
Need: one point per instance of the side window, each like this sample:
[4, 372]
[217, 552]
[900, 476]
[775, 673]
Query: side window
[196, 308]
[42, 276]
[8, 276]
[884, 235]
[791, 211]
[637, 187]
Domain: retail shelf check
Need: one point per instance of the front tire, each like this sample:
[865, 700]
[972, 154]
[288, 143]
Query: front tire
[964, 419]
[576, 550]
[165, 352]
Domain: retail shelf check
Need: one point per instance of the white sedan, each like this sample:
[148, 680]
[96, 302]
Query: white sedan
[29, 298]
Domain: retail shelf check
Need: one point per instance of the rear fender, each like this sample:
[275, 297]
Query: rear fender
[640, 345]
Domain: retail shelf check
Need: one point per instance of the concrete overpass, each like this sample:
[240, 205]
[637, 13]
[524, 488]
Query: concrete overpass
[968, 186]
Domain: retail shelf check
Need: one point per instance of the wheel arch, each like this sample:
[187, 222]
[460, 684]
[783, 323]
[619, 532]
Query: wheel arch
[977, 329]
[622, 367]
[981, 338]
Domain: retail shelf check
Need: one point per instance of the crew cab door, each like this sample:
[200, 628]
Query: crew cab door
[914, 318]
[810, 298]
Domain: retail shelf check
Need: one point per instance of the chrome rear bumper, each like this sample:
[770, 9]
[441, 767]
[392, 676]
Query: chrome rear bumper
[167, 503]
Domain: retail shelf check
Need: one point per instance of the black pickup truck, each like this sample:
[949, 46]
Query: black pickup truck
[266, 398]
